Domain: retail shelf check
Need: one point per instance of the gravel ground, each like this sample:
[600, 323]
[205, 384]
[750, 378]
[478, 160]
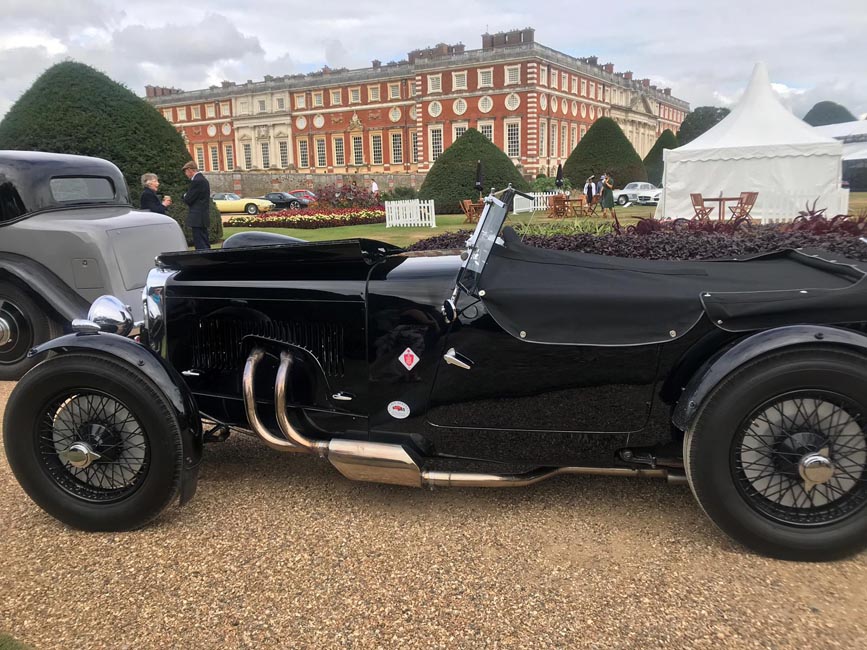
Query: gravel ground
[279, 551]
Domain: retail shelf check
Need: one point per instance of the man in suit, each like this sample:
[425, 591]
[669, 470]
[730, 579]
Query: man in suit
[198, 198]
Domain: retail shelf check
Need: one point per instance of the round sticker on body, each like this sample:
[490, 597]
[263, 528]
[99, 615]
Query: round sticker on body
[399, 410]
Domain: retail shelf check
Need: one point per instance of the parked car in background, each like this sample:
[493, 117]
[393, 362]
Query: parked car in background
[228, 202]
[306, 194]
[286, 201]
[504, 365]
[68, 234]
[642, 193]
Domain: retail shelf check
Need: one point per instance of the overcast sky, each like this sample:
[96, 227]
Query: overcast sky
[703, 49]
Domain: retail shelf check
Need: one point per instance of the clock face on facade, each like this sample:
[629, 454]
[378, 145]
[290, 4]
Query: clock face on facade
[226, 128]
[212, 130]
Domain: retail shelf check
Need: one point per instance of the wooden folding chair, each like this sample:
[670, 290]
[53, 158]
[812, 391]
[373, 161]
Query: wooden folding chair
[590, 208]
[701, 212]
[560, 206]
[470, 212]
[744, 205]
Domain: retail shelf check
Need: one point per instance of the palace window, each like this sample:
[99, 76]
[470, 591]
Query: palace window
[215, 158]
[487, 130]
[554, 78]
[281, 104]
[300, 101]
[243, 107]
[248, 156]
[486, 78]
[554, 139]
[376, 146]
[261, 106]
[513, 139]
[197, 113]
[543, 75]
[574, 136]
[357, 150]
[396, 148]
[459, 80]
[513, 74]
[303, 154]
[335, 98]
[355, 95]
[320, 152]
[283, 145]
[211, 110]
[436, 143]
[266, 154]
[224, 109]
[200, 157]
[434, 83]
[230, 157]
[564, 140]
[167, 113]
[339, 154]
[182, 113]
[415, 146]
[584, 88]
[318, 100]
[394, 91]
[543, 139]
[574, 85]
[373, 93]
[458, 131]
[592, 89]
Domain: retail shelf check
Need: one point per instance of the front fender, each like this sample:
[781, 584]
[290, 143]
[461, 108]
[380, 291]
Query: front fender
[714, 371]
[161, 374]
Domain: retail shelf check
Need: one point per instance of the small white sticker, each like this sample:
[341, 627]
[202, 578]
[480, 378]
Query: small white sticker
[399, 410]
[408, 359]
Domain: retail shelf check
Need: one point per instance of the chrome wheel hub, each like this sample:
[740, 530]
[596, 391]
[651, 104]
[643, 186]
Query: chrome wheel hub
[816, 469]
[79, 454]
[5, 332]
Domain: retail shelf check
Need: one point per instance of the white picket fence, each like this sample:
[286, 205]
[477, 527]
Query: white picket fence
[539, 202]
[410, 213]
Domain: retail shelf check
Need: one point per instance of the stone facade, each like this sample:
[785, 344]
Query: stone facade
[259, 183]
[533, 102]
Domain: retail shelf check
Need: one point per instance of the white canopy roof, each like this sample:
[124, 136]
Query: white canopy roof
[761, 147]
[843, 130]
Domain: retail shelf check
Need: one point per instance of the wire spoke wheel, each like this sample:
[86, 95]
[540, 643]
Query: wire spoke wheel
[801, 458]
[93, 446]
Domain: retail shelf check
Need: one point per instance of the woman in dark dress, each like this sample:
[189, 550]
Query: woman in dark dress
[607, 201]
[149, 199]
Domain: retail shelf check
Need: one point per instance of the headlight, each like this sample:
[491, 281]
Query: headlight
[110, 315]
[155, 309]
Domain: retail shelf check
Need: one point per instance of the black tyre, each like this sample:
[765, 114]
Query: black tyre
[778, 456]
[93, 442]
[251, 208]
[294, 205]
[23, 324]
[622, 200]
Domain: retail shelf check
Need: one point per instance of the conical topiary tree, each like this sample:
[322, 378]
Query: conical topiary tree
[452, 177]
[72, 108]
[653, 160]
[604, 148]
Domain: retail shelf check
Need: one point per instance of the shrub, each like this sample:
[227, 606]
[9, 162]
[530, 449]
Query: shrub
[452, 177]
[72, 108]
[347, 195]
[604, 149]
[653, 162]
[311, 219]
[400, 193]
[698, 121]
[677, 245]
[828, 113]
[548, 184]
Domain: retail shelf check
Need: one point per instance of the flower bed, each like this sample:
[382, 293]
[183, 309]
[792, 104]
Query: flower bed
[678, 245]
[311, 219]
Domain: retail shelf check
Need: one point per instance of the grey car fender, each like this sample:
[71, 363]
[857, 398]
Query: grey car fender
[45, 284]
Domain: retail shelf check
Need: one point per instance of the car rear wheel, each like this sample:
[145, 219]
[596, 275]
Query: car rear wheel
[294, 205]
[23, 324]
[622, 200]
[778, 456]
[251, 208]
[93, 442]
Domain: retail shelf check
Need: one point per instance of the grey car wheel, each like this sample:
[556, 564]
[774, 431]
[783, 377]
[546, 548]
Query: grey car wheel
[622, 199]
[251, 208]
[23, 325]
[294, 205]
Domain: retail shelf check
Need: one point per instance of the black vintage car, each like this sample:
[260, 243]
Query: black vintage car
[500, 366]
[286, 201]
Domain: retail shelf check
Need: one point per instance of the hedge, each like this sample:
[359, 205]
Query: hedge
[311, 220]
[604, 148]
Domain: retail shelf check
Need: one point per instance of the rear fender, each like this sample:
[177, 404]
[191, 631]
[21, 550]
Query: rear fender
[161, 374]
[45, 285]
[716, 369]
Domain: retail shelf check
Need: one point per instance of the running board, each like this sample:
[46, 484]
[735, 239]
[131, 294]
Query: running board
[379, 462]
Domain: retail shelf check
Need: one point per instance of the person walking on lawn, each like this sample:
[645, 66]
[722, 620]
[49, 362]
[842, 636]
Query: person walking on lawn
[608, 196]
[198, 198]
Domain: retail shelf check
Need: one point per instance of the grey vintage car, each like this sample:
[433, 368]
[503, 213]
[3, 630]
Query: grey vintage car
[68, 234]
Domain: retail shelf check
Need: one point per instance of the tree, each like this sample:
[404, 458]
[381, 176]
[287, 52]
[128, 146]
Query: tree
[699, 121]
[604, 148]
[453, 176]
[72, 108]
[828, 113]
[653, 161]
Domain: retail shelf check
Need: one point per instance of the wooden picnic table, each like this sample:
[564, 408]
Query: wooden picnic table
[577, 206]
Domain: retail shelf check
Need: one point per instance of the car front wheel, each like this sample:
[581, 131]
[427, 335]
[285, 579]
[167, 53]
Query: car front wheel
[622, 199]
[93, 442]
[294, 205]
[778, 456]
[23, 325]
[251, 208]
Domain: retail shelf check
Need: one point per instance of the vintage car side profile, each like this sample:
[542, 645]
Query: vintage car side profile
[503, 365]
[68, 235]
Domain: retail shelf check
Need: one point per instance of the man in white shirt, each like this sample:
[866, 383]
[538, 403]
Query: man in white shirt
[374, 188]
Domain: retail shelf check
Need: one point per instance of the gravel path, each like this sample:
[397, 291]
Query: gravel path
[279, 551]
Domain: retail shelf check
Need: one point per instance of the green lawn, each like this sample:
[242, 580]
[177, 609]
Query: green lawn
[407, 236]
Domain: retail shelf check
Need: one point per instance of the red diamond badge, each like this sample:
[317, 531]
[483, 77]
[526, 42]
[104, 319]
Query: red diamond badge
[409, 359]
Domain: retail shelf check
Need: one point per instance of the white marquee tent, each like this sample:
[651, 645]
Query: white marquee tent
[759, 147]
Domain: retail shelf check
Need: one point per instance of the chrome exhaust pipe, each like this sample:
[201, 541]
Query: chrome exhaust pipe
[379, 462]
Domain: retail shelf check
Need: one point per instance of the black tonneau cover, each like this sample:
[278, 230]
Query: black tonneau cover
[583, 299]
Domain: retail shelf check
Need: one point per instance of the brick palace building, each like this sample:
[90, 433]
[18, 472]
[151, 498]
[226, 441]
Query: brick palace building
[533, 102]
